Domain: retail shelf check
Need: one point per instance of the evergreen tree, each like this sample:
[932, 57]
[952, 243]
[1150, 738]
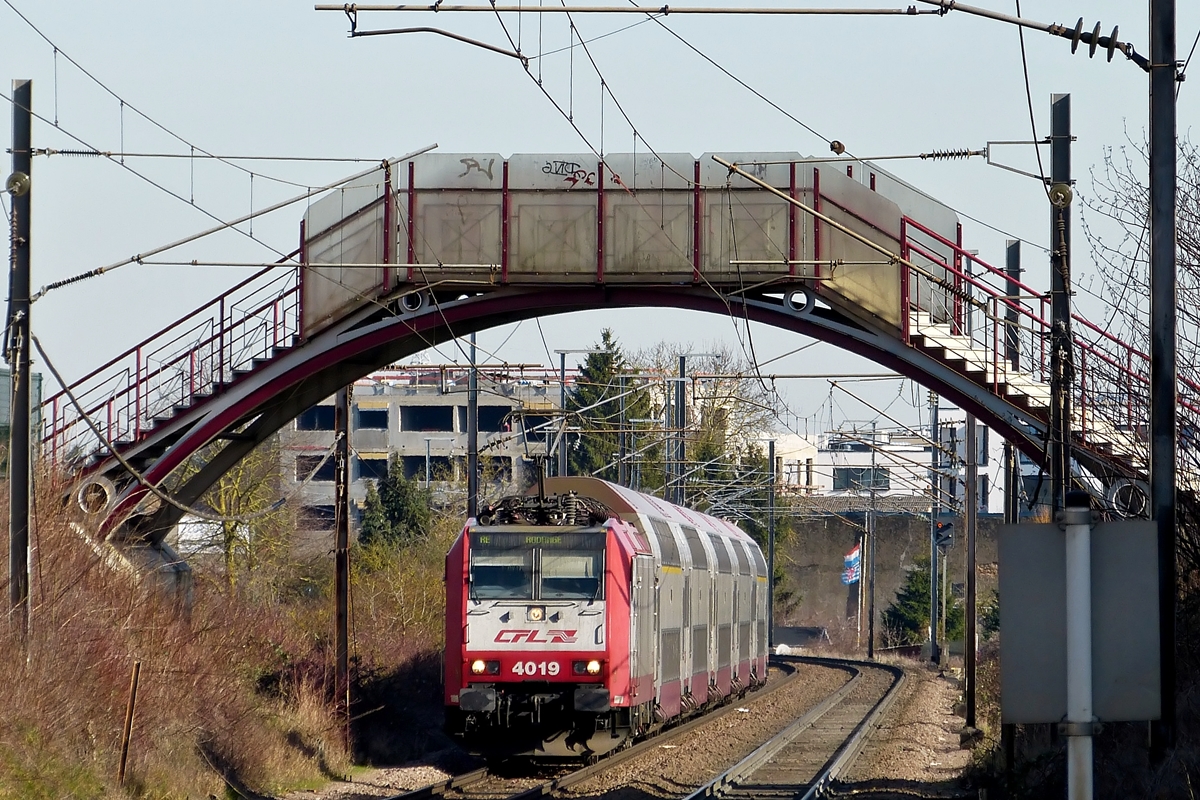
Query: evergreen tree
[596, 399]
[906, 619]
[397, 510]
[375, 526]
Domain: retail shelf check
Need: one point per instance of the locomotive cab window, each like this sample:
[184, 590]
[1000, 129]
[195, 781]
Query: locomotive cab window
[537, 566]
[501, 573]
[571, 575]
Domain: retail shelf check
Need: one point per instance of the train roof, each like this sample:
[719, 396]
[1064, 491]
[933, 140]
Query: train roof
[627, 502]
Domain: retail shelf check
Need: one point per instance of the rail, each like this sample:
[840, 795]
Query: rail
[729, 780]
[608, 761]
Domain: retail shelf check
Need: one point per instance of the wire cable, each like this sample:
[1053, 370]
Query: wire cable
[1029, 102]
[124, 103]
[151, 181]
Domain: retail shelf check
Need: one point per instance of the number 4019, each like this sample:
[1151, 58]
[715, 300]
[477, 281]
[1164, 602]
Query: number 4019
[529, 668]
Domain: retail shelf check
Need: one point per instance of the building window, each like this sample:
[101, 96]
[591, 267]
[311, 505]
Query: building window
[306, 464]
[372, 469]
[494, 419]
[317, 418]
[427, 418]
[860, 478]
[373, 419]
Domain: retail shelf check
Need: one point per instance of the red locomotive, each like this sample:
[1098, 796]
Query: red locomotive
[589, 614]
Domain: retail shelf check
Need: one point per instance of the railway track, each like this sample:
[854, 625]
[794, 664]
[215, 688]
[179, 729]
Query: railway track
[806, 757]
[809, 753]
[485, 784]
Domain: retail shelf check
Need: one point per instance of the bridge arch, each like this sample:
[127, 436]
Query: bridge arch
[259, 404]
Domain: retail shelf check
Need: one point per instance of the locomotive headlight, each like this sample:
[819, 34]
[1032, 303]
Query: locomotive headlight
[593, 667]
[478, 666]
[536, 613]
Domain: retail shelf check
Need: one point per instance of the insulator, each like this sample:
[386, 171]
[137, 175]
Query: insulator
[948, 154]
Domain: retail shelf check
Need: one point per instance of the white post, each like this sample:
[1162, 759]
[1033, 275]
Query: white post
[1076, 518]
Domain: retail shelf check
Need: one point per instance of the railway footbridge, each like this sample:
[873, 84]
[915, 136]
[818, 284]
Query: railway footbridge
[419, 252]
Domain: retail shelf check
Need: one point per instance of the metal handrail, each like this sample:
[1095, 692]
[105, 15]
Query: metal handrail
[198, 353]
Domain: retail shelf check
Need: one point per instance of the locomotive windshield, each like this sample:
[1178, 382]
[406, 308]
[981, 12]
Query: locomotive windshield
[541, 565]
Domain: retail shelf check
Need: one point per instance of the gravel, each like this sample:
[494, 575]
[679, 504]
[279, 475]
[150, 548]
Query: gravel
[677, 767]
[914, 753]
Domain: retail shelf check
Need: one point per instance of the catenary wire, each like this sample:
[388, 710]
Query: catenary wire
[124, 103]
[149, 180]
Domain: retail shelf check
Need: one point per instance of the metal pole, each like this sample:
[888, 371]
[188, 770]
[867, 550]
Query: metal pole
[871, 554]
[1012, 322]
[1162, 349]
[18, 355]
[935, 651]
[473, 436]
[972, 520]
[1061, 369]
[428, 475]
[1076, 516]
[1012, 483]
[668, 443]
[562, 408]
[771, 545]
[341, 549]
[622, 450]
[680, 422]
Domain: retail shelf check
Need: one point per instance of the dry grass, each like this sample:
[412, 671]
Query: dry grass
[239, 691]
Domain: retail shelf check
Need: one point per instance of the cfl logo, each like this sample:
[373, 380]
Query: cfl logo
[516, 636]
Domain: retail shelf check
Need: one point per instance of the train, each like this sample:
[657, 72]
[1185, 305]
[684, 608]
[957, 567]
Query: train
[585, 615]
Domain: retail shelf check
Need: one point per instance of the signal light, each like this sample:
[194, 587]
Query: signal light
[944, 534]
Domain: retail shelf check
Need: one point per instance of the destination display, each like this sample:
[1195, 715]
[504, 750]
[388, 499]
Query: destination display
[580, 540]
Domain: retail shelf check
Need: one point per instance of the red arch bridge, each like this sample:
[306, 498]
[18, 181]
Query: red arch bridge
[417, 252]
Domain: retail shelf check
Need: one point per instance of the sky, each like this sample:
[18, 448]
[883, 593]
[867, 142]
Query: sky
[276, 78]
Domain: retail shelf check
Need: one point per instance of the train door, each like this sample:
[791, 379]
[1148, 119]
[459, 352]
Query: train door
[643, 629]
[700, 600]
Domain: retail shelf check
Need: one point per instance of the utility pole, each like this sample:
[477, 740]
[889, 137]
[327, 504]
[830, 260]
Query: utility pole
[18, 186]
[562, 409]
[773, 478]
[871, 552]
[473, 436]
[680, 423]
[971, 501]
[1012, 352]
[1062, 371]
[935, 483]
[1012, 472]
[622, 467]
[1163, 79]
[341, 549]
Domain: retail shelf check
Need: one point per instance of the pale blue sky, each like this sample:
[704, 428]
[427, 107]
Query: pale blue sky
[278, 78]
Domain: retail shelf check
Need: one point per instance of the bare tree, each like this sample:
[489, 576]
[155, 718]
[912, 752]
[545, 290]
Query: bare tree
[1115, 382]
